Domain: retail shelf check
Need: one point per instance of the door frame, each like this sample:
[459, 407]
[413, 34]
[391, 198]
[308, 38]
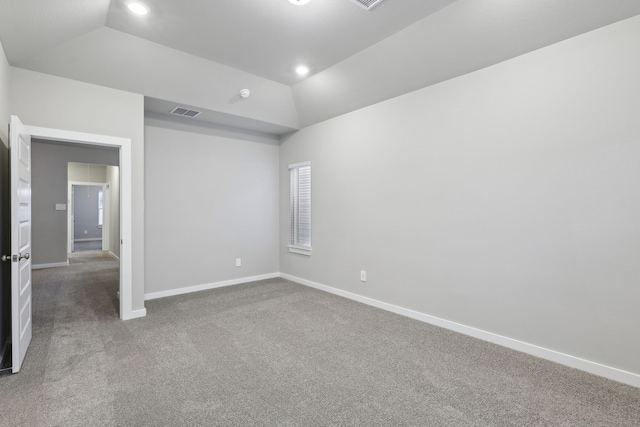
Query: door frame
[126, 212]
[71, 214]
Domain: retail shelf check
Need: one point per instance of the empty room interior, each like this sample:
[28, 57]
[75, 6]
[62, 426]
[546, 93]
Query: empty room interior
[321, 212]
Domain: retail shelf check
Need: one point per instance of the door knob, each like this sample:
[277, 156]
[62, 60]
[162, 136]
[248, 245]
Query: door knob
[15, 258]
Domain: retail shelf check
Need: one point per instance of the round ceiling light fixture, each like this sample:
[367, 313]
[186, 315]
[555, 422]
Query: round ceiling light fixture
[299, 2]
[302, 70]
[138, 8]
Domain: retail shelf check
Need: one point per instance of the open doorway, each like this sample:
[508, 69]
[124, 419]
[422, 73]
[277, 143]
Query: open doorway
[52, 175]
[93, 214]
[87, 210]
[121, 148]
[67, 265]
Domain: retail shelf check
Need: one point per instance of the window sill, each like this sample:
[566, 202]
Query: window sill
[300, 250]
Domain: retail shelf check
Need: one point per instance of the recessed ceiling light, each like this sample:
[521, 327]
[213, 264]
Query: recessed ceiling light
[138, 8]
[299, 2]
[302, 70]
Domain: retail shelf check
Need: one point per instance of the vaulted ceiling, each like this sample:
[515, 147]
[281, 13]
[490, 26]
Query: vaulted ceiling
[201, 53]
[263, 37]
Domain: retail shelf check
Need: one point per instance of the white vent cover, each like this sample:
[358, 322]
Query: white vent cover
[179, 111]
[367, 4]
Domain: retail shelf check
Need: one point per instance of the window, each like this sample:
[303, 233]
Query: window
[300, 208]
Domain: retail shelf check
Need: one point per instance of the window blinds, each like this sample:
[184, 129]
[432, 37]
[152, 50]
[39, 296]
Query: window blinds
[300, 204]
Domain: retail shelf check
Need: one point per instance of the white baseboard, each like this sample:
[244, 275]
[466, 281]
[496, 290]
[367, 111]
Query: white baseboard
[197, 288]
[114, 256]
[92, 239]
[135, 314]
[55, 264]
[609, 372]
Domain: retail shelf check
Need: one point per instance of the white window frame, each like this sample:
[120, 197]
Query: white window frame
[295, 214]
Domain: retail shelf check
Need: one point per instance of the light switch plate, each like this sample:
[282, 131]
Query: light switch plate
[61, 206]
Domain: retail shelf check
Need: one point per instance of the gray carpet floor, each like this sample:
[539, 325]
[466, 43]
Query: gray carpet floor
[274, 353]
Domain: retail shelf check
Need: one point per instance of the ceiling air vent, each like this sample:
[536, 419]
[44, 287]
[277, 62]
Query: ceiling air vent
[179, 111]
[367, 4]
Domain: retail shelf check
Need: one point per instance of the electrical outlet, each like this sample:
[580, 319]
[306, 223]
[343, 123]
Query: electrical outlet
[85, 231]
[238, 262]
[363, 276]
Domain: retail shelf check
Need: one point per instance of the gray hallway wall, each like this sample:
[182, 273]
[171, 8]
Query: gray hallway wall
[49, 187]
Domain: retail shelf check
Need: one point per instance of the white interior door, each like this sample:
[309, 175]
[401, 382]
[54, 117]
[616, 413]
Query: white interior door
[20, 153]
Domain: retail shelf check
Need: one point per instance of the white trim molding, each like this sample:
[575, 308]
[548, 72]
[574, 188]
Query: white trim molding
[595, 368]
[298, 165]
[114, 256]
[300, 250]
[207, 286]
[52, 265]
[135, 314]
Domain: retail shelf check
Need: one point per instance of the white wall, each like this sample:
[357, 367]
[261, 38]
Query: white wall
[54, 102]
[506, 199]
[86, 172]
[168, 74]
[4, 97]
[209, 200]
